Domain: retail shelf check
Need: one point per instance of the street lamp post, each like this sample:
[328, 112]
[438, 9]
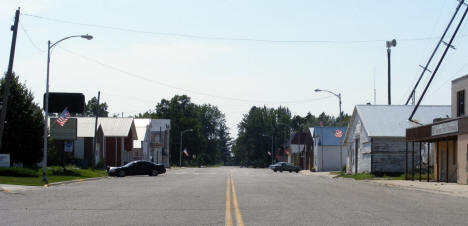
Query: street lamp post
[337, 95]
[272, 148]
[390, 44]
[180, 152]
[341, 145]
[46, 104]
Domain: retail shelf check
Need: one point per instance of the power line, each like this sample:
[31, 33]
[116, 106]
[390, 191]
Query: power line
[220, 38]
[134, 75]
[30, 40]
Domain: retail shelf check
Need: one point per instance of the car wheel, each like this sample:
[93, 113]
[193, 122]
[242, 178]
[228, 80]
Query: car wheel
[290, 171]
[121, 173]
[297, 171]
[281, 170]
[154, 173]
[275, 170]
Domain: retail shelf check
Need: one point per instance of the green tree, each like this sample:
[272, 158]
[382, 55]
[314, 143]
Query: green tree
[91, 108]
[210, 136]
[261, 124]
[24, 128]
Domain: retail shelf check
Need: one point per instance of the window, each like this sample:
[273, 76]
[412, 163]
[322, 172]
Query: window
[460, 103]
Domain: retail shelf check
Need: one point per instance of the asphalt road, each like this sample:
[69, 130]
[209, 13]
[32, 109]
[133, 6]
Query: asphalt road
[206, 197]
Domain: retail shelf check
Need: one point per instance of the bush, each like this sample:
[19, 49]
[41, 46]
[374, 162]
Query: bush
[60, 171]
[18, 172]
[101, 165]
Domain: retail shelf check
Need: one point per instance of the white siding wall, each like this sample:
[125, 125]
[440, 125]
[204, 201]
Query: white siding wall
[331, 158]
[357, 132]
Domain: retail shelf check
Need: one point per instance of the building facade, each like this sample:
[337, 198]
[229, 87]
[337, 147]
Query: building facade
[375, 137]
[448, 137]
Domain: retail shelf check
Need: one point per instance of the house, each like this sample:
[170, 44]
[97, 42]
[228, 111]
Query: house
[375, 139]
[449, 139]
[327, 148]
[114, 140]
[113, 143]
[141, 126]
[155, 143]
[300, 150]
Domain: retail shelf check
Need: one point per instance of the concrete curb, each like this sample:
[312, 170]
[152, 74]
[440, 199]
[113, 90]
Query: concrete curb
[74, 181]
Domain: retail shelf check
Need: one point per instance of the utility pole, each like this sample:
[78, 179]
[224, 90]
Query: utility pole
[96, 113]
[8, 77]
[390, 44]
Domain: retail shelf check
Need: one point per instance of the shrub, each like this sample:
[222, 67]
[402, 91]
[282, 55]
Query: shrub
[18, 172]
[101, 165]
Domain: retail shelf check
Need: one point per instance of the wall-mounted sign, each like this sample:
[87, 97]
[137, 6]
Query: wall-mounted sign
[4, 160]
[68, 147]
[65, 132]
[444, 128]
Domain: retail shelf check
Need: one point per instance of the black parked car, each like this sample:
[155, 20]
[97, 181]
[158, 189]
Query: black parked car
[137, 168]
[284, 166]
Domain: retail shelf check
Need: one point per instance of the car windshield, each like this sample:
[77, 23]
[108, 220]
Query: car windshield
[129, 164]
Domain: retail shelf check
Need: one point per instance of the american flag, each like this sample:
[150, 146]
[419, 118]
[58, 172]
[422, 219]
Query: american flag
[63, 118]
[186, 152]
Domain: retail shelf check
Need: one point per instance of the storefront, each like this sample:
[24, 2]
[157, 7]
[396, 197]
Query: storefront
[449, 141]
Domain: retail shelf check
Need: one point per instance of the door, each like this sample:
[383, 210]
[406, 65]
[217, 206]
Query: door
[356, 154]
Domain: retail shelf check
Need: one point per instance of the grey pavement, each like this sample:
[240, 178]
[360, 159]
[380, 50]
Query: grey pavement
[192, 196]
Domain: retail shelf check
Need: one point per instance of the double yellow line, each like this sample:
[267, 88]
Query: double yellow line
[230, 186]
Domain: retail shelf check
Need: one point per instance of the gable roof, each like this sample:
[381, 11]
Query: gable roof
[140, 126]
[392, 120]
[326, 135]
[118, 127]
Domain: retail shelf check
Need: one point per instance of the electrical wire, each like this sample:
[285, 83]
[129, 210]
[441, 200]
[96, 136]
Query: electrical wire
[220, 38]
[30, 40]
[144, 78]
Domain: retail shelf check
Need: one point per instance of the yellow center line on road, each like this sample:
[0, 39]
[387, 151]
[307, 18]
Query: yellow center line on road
[228, 202]
[239, 220]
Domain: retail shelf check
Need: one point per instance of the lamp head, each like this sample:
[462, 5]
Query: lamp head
[89, 37]
[317, 90]
[392, 43]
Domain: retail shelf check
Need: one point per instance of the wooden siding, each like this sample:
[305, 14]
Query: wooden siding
[388, 155]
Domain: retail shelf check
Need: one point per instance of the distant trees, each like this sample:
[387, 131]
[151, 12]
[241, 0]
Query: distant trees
[260, 124]
[24, 128]
[210, 139]
[91, 108]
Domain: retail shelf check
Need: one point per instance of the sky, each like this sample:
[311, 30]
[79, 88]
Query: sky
[233, 54]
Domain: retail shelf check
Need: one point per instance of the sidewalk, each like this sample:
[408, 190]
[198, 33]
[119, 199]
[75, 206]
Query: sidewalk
[320, 174]
[15, 188]
[453, 189]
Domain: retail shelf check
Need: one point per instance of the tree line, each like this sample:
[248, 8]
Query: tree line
[207, 143]
[262, 126]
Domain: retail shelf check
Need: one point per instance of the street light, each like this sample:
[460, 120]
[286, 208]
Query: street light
[46, 104]
[341, 146]
[263, 135]
[337, 95]
[180, 153]
[389, 44]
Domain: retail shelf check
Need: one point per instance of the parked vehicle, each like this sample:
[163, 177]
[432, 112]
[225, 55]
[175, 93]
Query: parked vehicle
[137, 168]
[274, 165]
[284, 166]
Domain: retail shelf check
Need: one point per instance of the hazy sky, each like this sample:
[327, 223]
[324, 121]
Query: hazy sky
[149, 56]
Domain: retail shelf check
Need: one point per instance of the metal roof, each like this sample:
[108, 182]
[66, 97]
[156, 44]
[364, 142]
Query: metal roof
[392, 120]
[326, 135]
[141, 126]
[118, 127]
